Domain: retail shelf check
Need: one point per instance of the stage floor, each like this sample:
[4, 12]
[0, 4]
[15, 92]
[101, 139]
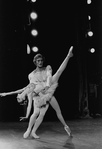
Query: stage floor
[87, 134]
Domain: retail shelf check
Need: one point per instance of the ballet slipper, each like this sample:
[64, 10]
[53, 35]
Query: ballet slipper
[35, 136]
[26, 134]
[67, 129]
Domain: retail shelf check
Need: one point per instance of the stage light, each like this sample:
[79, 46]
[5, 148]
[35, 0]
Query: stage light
[88, 1]
[34, 32]
[92, 50]
[33, 15]
[33, 0]
[89, 17]
[90, 33]
[35, 49]
[28, 49]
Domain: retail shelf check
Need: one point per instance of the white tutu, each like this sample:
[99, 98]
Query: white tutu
[42, 99]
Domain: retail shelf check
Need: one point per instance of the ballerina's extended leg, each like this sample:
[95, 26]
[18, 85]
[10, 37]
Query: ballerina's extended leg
[62, 67]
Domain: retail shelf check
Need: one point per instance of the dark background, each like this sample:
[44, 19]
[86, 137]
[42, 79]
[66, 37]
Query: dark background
[60, 24]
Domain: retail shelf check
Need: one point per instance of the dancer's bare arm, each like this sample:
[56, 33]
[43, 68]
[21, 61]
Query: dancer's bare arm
[28, 107]
[17, 91]
[13, 92]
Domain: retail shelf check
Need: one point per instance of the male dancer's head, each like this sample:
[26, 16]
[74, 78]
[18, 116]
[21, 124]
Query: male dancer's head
[38, 61]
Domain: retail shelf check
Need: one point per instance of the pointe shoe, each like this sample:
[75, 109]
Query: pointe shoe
[67, 129]
[26, 134]
[34, 136]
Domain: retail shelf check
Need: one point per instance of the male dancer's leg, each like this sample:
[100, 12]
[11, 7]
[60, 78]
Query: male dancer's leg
[39, 121]
[32, 121]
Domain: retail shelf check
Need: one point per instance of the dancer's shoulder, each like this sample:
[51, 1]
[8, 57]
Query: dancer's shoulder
[32, 73]
[49, 70]
[48, 67]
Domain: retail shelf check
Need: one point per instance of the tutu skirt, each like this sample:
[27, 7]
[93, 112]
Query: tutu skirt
[43, 99]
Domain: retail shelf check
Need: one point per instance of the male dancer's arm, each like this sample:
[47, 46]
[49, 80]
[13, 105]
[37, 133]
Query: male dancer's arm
[49, 77]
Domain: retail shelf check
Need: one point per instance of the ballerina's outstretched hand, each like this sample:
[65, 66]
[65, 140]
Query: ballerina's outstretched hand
[13, 92]
[2, 94]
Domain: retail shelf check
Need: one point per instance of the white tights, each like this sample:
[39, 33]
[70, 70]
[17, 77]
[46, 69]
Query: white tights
[36, 118]
[57, 109]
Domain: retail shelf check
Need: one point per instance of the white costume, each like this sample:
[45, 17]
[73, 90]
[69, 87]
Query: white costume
[43, 99]
[38, 81]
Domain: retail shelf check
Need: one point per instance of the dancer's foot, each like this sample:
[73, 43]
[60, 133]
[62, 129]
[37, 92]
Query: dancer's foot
[26, 134]
[70, 54]
[67, 129]
[35, 136]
